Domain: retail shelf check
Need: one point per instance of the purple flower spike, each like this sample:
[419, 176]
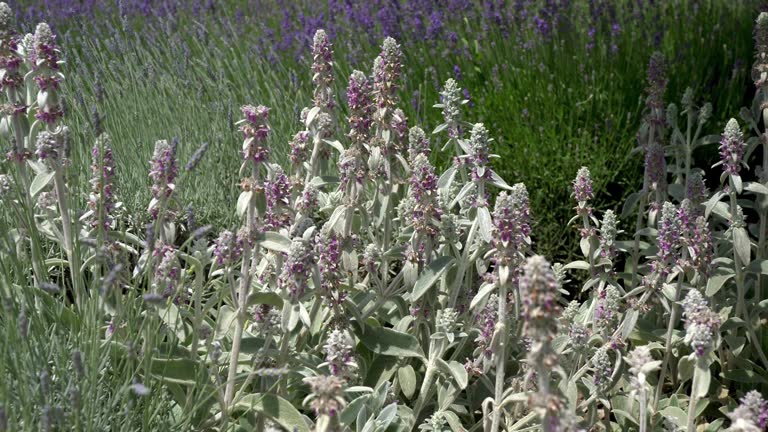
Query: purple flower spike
[582, 185]
[255, 130]
[360, 108]
[732, 148]
[751, 414]
[101, 201]
[701, 323]
[163, 169]
[512, 224]
[322, 69]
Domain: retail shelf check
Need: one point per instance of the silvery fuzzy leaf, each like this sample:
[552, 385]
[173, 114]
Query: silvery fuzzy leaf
[275, 241]
[275, 408]
[406, 377]
[321, 181]
[455, 370]
[715, 283]
[410, 274]
[464, 144]
[311, 116]
[742, 244]
[349, 260]
[386, 416]
[40, 182]
[703, 378]
[430, 275]
[453, 421]
[462, 194]
[389, 342]
[386, 136]
[756, 187]
[439, 128]
[736, 183]
[484, 224]
[37, 166]
[630, 204]
[242, 203]
[578, 265]
[499, 182]
[335, 144]
[336, 221]
[290, 319]
[446, 178]
[303, 314]
[5, 125]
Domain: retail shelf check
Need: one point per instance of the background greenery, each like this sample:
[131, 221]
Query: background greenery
[552, 103]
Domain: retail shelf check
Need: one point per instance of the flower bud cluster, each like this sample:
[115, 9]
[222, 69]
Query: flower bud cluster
[732, 147]
[751, 414]
[297, 269]
[701, 323]
[255, 129]
[101, 201]
[512, 225]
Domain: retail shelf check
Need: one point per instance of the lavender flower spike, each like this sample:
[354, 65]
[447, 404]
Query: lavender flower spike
[701, 324]
[582, 185]
[751, 415]
[732, 148]
[322, 68]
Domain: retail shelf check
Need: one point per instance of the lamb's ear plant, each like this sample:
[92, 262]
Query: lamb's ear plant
[382, 294]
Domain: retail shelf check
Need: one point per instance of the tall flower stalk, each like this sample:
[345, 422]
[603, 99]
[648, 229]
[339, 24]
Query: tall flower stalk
[540, 291]
[255, 153]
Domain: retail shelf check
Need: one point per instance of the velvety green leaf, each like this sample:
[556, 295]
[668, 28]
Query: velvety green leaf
[677, 415]
[499, 182]
[242, 202]
[715, 283]
[349, 414]
[446, 178]
[453, 421]
[630, 204]
[756, 187]
[406, 376]
[484, 224]
[382, 369]
[578, 265]
[455, 370]
[702, 379]
[758, 267]
[744, 376]
[265, 297]
[40, 182]
[482, 294]
[430, 275]
[175, 370]
[742, 244]
[385, 417]
[389, 342]
[685, 368]
[275, 242]
[276, 408]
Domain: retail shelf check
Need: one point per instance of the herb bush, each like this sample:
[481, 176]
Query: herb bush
[364, 289]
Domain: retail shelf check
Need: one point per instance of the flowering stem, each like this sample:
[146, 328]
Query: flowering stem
[241, 300]
[670, 327]
[691, 424]
[636, 246]
[501, 357]
[463, 264]
[66, 228]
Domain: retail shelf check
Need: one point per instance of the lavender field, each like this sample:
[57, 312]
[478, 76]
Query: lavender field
[402, 215]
